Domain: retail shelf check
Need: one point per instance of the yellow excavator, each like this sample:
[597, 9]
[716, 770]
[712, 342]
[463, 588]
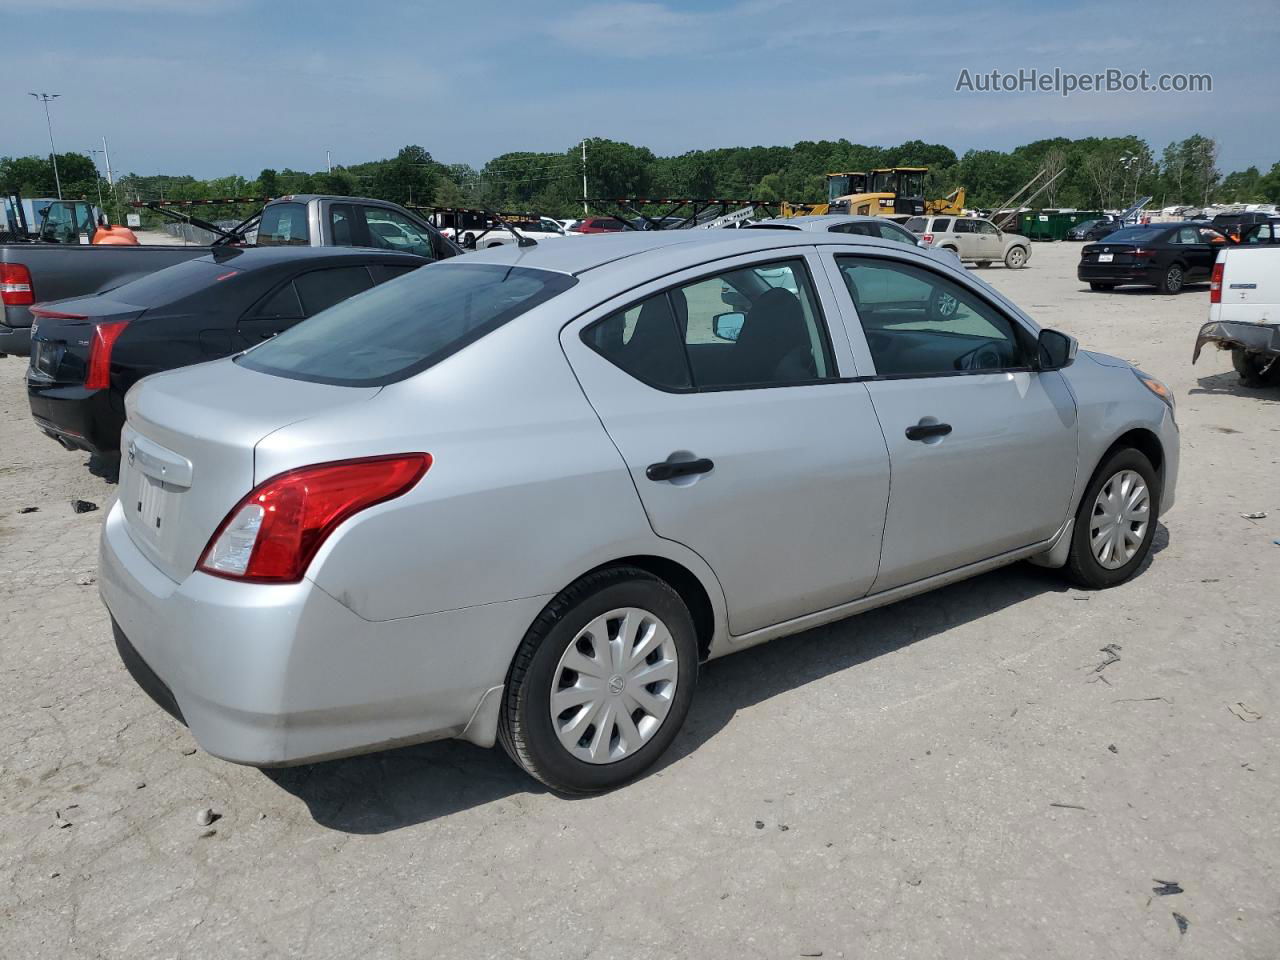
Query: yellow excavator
[883, 192]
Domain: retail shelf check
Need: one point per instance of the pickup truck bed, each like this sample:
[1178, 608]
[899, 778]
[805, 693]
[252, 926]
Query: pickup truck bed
[59, 270]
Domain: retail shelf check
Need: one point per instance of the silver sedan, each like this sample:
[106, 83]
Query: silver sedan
[523, 495]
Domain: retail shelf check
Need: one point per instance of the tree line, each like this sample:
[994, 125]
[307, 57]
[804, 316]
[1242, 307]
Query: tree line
[1098, 172]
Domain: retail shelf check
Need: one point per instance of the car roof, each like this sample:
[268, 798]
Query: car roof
[664, 250]
[256, 258]
[812, 221]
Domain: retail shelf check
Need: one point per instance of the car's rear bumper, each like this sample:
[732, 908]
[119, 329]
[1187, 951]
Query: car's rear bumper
[268, 674]
[1254, 337]
[1124, 273]
[76, 416]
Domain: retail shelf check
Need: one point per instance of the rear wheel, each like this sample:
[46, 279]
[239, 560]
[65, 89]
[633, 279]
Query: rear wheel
[1094, 285]
[1256, 370]
[1116, 521]
[1016, 258]
[601, 683]
[1173, 279]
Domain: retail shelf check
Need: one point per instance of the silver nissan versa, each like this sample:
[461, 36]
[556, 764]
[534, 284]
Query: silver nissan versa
[521, 495]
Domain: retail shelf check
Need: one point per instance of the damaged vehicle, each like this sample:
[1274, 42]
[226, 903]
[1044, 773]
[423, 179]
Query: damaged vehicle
[1244, 313]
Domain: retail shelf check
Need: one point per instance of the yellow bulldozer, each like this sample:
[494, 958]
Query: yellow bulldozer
[880, 193]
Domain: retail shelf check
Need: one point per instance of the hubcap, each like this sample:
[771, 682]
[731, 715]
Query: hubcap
[1120, 517]
[1015, 257]
[614, 685]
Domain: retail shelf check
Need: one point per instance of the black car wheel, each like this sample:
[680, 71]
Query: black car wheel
[1256, 370]
[601, 683]
[1173, 279]
[1095, 285]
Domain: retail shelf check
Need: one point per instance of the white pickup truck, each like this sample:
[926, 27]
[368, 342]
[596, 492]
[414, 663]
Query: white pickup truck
[1244, 312]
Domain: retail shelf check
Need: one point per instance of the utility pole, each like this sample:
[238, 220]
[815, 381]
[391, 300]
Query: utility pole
[97, 178]
[585, 211]
[46, 98]
[111, 182]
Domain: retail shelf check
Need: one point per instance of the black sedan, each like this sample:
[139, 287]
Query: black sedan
[87, 352]
[1093, 229]
[1163, 255]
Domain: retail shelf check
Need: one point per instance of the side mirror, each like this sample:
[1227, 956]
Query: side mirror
[727, 326]
[1056, 350]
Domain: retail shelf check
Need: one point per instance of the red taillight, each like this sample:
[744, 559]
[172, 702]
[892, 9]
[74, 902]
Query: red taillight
[104, 339]
[1215, 283]
[1142, 252]
[272, 535]
[15, 285]
[928, 239]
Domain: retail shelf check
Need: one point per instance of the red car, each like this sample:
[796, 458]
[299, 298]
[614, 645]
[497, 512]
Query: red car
[598, 225]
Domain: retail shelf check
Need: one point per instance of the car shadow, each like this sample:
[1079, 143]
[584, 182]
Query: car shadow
[386, 791]
[1228, 384]
[1138, 290]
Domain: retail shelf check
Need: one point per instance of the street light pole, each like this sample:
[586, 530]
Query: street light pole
[46, 98]
[97, 177]
[584, 177]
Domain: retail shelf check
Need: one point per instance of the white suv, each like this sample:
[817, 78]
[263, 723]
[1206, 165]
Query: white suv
[973, 240]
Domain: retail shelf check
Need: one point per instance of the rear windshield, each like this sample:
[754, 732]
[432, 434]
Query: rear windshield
[1134, 235]
[284, 225]
[405, 326]
[174, 283]
[916, 224]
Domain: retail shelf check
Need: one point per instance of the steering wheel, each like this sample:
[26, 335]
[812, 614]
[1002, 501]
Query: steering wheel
[985, 357]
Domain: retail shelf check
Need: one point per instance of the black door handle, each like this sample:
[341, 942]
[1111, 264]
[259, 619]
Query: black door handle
[922, 431]
[683, 468]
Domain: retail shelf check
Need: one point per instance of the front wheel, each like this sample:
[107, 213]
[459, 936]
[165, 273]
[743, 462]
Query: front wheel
[1094, 285]
[601, 683]
[1172, 280]
[983, 264]
[1016, 258]
[1256, 370]
[1116, 521]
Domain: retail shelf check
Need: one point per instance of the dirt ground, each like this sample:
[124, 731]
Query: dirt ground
[950, 777]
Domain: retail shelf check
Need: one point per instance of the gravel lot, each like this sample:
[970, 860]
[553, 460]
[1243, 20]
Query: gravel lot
[949, 777]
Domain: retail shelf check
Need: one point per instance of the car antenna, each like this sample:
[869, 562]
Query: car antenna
[521, 239]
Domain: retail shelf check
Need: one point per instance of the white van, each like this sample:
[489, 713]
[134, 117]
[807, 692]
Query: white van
[1244, 312]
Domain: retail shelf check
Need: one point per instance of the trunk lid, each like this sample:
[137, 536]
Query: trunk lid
[1118, 253]
[187, 451]
[61, 332]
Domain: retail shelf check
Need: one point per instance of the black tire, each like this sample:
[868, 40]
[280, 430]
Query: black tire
[1253, 368]
[1082, 567]
[1173, 279]
[1016, 258]
[1094, 285]
[525, 727]
[983, 264]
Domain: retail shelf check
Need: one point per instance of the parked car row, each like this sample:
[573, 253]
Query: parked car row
[520, 496]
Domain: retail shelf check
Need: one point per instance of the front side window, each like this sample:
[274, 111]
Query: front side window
[965, 226]
[394, 231]
[399, 329]
[918, 322]
[983, 226]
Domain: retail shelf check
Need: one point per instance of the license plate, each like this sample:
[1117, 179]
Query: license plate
[149, 503]
[1105, 257]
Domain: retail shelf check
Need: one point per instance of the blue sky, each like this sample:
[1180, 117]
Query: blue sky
[231, 86]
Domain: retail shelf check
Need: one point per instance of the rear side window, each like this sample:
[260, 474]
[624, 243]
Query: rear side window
[645, 342]
[399, 329]
[175, 283]
[1136, 235]
[284, 225]
[321, 289]
[916, 224]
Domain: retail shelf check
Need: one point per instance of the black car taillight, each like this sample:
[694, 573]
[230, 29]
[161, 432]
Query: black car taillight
[105, 335]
